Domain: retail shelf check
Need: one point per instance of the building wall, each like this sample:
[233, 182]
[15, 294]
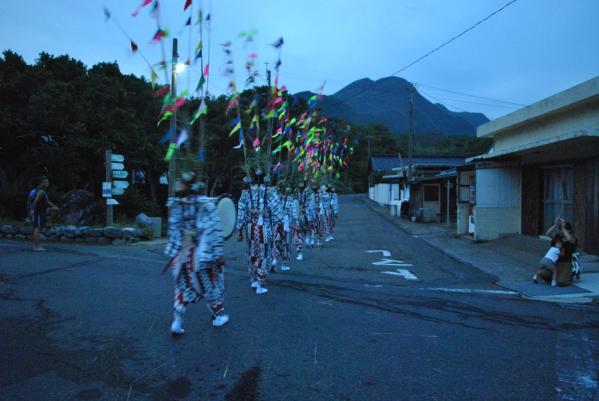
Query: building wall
[498, 202]
[586, 204]
[491, 223]
[583, 118]
[385, 193]
[462, 219]
[532, 200]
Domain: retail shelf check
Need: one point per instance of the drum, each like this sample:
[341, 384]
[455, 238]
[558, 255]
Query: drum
[227, 212]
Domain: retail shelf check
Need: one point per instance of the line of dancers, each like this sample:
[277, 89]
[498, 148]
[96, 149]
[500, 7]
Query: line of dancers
[270, 218]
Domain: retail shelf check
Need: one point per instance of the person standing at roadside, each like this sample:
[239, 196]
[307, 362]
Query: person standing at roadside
[38, 206]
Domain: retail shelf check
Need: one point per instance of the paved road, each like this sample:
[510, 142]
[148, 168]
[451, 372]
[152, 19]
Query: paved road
[91, 323]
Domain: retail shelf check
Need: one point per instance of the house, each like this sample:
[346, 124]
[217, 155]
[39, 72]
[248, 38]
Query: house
[432, 177]
[426, 194]
[544, 163]
[382, 188]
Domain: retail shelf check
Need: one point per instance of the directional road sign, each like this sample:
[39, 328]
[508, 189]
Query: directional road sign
[118, 191]
[120, 184]
[118, 158]
[118, 166]
[120, 174]
[112, 202]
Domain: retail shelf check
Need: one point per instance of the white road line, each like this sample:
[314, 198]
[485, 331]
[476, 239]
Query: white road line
[391, 262]
[403, 273]
[471, 291]
[575, 368]
[385, 252]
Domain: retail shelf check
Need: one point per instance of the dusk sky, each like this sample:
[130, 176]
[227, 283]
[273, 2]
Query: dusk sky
[530, 50]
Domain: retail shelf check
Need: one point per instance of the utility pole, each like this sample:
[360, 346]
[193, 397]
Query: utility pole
[410, 137]
[108, 162]
[267, 75]
[172, 164]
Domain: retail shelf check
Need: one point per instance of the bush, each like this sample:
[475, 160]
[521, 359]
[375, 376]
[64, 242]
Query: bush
[134, 202]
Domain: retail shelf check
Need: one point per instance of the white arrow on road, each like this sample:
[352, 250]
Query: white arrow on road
[384, 252]
[392, 262]
[403, 273]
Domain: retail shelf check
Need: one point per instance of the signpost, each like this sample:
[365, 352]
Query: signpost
[120, 174]
[115, 168]
[120, 184]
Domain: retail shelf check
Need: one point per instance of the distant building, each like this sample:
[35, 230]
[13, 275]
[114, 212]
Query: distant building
[544, 164]
[426, 196]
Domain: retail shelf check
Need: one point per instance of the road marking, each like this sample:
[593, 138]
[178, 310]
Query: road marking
[403, 273]
[575, 368]
[385, 252]
[471, 291]
[392, 262]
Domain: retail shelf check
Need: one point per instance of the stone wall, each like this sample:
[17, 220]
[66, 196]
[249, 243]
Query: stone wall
[79, 234]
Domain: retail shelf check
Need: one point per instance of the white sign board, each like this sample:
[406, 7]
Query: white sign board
[120, 174]
[120, 184]
[118, 158]
[118, 166]
[106, 187]
[111, 202]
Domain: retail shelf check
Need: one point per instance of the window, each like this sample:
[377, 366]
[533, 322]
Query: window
[558, 195]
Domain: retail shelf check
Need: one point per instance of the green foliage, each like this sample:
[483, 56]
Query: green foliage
[133, 202]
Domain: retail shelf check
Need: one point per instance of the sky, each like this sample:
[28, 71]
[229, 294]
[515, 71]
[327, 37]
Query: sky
[529, 51]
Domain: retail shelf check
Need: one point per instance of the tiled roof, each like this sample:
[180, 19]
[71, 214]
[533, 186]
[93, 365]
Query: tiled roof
[384, 163]
[389, 162]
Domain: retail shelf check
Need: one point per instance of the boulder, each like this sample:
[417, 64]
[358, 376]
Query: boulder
[80, 207]
[7, 229]
[91, 240]
[129, 232]
[145, 232]
[96, 232]
[71, 231]
[104, 241]
[20, 236]
[142, 219]
[25, 230]
[113, 232]
[118, 242]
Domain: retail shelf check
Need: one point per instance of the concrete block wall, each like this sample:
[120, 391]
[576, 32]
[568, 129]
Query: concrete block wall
[491, 223]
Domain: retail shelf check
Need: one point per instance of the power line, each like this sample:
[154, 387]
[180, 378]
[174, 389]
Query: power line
[466, 94]
[455, 37]
[438, 47]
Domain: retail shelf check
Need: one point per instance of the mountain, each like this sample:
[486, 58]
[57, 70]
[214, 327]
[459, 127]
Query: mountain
[387, 101]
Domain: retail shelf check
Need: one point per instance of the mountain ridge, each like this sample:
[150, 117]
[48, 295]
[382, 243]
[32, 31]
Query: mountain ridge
[386, 101]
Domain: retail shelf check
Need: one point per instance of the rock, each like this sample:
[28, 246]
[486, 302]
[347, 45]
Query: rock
[10, 236]
[118, 242]
[144, 232]
[96, 232]
[80, 207]
[91, 240]
[142, 219]
[133, 240]
[113, 232]
[84, 231]
[104, 241]
[43, 237]
[25, 230]
[7, 229]
[71, 231]
[129, 232]
[20, 236]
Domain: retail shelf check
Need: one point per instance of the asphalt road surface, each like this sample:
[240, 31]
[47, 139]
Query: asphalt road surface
[373, 315]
